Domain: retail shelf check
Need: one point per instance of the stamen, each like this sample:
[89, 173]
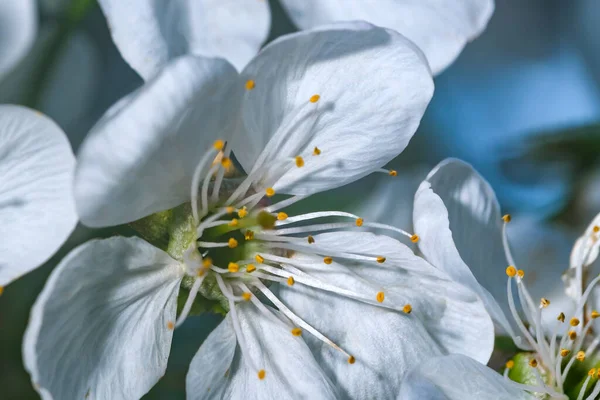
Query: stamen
[270, 192]
[359, 222]
[196, 177]
[380, 297]
[381, 259]
[297, 331]
[407, 309]
[316, 151]
[190, 301]
[291, 281]
[233, 267]
[232, 243]
[328, 260]
[320, 214]
[250, 84]
[204, 190]
[284, 203]
[311, 240]
[281, 216]
[314, 98]
[299, 162]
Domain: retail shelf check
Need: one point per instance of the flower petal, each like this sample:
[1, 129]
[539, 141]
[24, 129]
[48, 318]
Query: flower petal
[102, 325]
[440, 28]
[140, 157]
[385, 342]
[36, 198]
[290, 369]
[586, 248]
[374, 86]
[456, 377]
[457, 217]
[149, 33]
[18, 27]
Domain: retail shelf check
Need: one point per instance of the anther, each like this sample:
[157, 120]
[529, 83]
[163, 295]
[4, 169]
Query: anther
[299, 162]
[233, 222]
[229, 210]
[407, 309]
[282, 216]
[226, 163]
[250, 268]
[572, 335]
[200, 273]
[270, 192]
[246, 296]
[521, 273]
[314, 98]
[261, 374]
[259, 259]
[595, 314]
[243, 212]
[232, 243]
[380, 297]
[249, 235]
[250, 84]
[564, 352]
[207, 262]
[316, 151]
[351, 360]
[509, 364]
[233, 267]
[310, 239]
[561, 317]
[297, 332]
[170, 325]
[506, 218]
[574, 322]
[596, 228]
[291, 281]
[1, 290]
[219, 144]
[393, 172]
[380, 259]
[544, 302]
[580, 356]
[328, 260]
[414, 238]
[592, 372]
[511, 271]
[533, 363]
[359, 222]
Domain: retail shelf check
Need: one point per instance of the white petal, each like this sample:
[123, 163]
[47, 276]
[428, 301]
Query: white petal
[140, 157]
[36, 199]
[458, 219]
[456, 377]
[291, 370]
[440, 28]
[100, 328]
[585, 250]
[386, 343]
[149, 33]
[374, 86]
[18, 27]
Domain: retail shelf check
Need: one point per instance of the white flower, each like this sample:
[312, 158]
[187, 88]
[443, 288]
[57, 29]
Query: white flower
[150, 33]
[462, 232]
[37, 211]
[354, 310]
[18, 19]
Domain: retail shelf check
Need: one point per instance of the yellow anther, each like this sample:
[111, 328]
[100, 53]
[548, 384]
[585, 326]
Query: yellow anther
[314, 98]
[414, 238]
[380, 259]
[316, 151]
[207, 262]
[229, 210]
[246, 296]
[351, 360]
[250, 84]
[561, 317]
[259, 259]
[1, 290]
[380, 297]
[506, 218]
[511, 271]
[282, 216]
[564, 352]
[243, 212]
[572, 335]
[233, 267]
[407, 309]
[170, 325]
[291, 281]
[359, 222]
[261, 374]
[592, 372]
[521, 273]
[580, 356]
[226, 163]
[299, 162]
[233, 222]
[328, 260]
[200, 272]
[596, 228]
[249, 235]
[219, 144]
[270, 192]
[310, 239]
[297, 331]
[393, 172]
[232, 243]
[250, 268]
[574, 322]
[533, 363]
[595, 314]
[544, 302]
[509, 364]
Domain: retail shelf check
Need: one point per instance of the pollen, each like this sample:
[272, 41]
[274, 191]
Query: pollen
[574, 322]
[219, 144]
[233, 222]
[233, 267]
[506, 218]
[407, 309]
[592, 372]
[511, 271]
[270, 192]
[246, 296]
[564, 352]
[521, 273]
[250, 268]
[572, 335]
[299, 162]
[544, 302]
[259, 258]
[207, 262]
[561, 317]
[170, 325]
[316, 151]
[226, 163]
[282, 216]
[249, 235]
[359, 222]
[509, 364]
[297, 332]
[533, 363]
[310, 239]
[243, 212]
[380, 297]
[328, 260]
[414, 238]
[250, 84]
[393, 172]
[314, 98]
[596, 228]
[291, 281]
[595, 314]
[261, 374]
[230, 210]
[380, 259]
[580, 356]
[351, 360]
[232, 243]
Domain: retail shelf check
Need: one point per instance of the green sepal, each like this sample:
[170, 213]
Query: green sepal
[522, 372]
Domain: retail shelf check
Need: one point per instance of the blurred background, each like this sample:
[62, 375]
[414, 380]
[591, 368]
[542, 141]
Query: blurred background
[522, 104]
